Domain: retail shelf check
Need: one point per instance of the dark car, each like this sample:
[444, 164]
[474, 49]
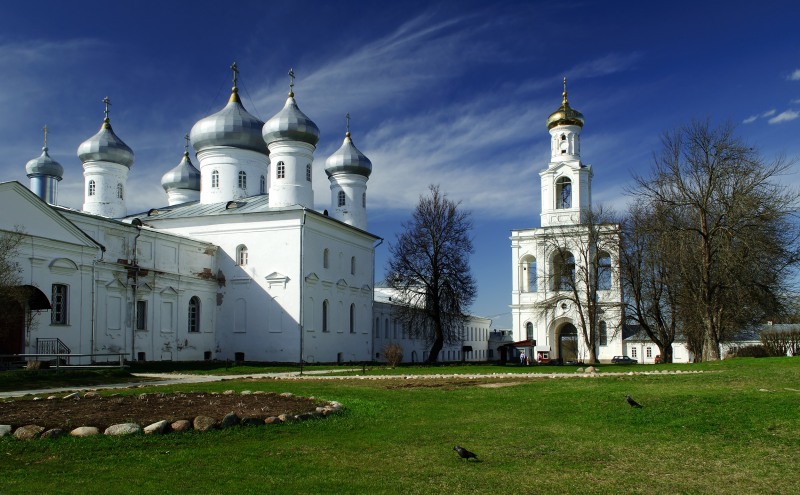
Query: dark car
[623, 360]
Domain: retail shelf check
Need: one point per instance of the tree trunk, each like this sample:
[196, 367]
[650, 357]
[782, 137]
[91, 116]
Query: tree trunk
[433, 356]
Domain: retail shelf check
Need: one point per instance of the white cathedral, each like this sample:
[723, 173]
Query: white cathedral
[551, 280]
[239, 265]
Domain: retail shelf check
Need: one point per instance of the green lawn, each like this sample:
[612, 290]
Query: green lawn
[733, 429]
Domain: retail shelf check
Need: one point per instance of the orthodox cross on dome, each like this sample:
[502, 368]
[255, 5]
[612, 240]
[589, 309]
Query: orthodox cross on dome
[45, 135]
[108, 104]
[186, 146]
[235, 70]
[347, 118]
[291, 82]
[565, 91]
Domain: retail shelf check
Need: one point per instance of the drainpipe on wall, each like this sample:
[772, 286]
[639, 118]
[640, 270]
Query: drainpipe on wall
[302, 284]
[372, 304]
[94, 302]
[135, 285]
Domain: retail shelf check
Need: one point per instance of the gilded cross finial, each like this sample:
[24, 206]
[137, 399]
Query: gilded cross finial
[291, 82]
[45, 135]
[235, 70]
[108, 104]
[565, 91]
[186, 145]
[347, 118]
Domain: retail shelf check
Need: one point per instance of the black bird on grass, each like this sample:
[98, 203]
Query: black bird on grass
[632, 402]
[464, 453]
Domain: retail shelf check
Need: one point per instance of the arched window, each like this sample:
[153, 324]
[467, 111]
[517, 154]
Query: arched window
[241, 255]
[377, 329]
[563, 193]
[215, 179]
[353, 265]
[280, 171]
[603, 271]
[364, 200]
[194, 314]
[325, 258]
[308, 172]
[529, 331]
[341, 197]
[242, 179]
[602, 333]
[120, 191]
[352, 318]
[92, 188]
[386, 328]
[325, 315]
[563, 271]
[528, 280]
[263, 185]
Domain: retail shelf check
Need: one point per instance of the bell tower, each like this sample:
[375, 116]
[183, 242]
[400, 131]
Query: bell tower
[566, 182]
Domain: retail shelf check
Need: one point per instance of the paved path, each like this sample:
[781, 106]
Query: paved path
[174, 378]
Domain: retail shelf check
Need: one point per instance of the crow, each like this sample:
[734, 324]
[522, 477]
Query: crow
[464, 453]
[632, 402]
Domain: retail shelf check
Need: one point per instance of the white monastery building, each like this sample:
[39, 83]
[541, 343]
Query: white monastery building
[559, 268]
[238, 265]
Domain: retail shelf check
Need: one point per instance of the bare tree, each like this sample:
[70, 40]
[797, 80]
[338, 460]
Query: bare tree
[583, 272]
[12, 295]
[429, 270]
[649, 277]
[733, 227]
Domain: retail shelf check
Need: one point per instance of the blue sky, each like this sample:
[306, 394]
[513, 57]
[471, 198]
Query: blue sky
[451, 93]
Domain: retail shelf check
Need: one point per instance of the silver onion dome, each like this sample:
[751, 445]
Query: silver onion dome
[107, 147]
[348, 159]
[290, 124]
[233, 126]
[44, 165]
[183, 176]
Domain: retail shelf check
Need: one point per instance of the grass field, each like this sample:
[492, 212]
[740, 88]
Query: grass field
[735, 428]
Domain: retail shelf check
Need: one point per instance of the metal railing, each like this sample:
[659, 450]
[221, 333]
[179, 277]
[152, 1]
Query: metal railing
[52, 346]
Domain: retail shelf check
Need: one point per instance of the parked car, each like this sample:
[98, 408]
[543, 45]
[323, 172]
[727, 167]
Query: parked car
[623, 360]
[658, 359]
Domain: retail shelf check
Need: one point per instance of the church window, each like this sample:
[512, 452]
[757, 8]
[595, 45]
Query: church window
[325, 257]
[633, 352]
[377, 328]
[649, 352]
[352, 318]
[325, 316]
[386, 328]
[141, 315]
[528, 282]
[563, 193]
[308, 172]
[280, 170]
[242, 180]
[602, 333]
[59, 313]
[529, 331]
[194, 314]
[215, 179]
[241, 255]
[263, 185]
[353, 265]
[364, 200]
[341, 197]
[119, 191]
[563, 271]
[92, 188]
[603, 271]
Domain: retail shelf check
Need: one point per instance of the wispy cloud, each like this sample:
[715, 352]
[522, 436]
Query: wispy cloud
[785, 116]
[750, 119]
[794, 76]
[608, 64]
[768, 113]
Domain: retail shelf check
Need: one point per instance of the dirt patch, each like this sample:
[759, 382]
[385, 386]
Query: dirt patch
[444, 384]
[145, 409]
[498, 385]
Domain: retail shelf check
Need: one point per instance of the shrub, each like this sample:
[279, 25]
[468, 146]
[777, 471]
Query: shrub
[749, 351]
[393, 354]
[778, 343]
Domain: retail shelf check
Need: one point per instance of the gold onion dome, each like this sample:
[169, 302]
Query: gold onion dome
[105, 146]
[565, 115]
